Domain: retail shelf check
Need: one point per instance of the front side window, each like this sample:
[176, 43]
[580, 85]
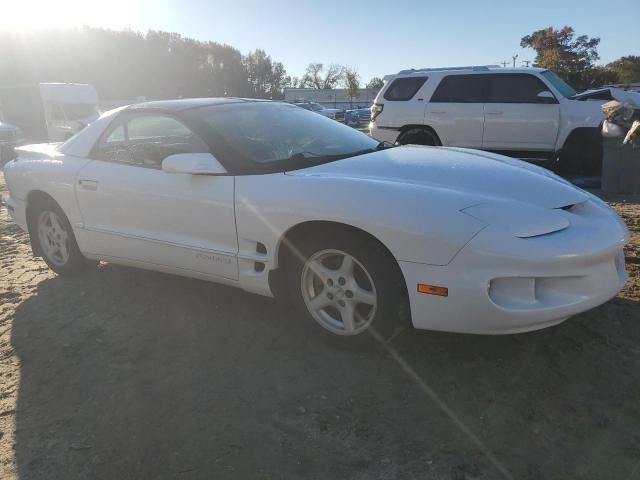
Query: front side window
[147, 139]
[460, 89]
[515, 88]
[563, 87]
[79, 111]
[403, 89]
[57, 113]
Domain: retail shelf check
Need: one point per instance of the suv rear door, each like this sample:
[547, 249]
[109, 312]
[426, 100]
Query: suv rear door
[456, 110]
[515, 117]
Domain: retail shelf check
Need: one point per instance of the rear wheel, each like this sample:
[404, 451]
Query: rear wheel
[55, 240]
[418, 136]
[581, 154]
[347, 285]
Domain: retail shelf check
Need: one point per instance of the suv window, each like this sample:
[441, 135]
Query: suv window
[147, 139]
[515, 88]
[461, 89]
[403, 89]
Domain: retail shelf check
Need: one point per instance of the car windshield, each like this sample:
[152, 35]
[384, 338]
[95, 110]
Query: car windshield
[78, 111]
[563, 87]
[316, 107]
[276, 136]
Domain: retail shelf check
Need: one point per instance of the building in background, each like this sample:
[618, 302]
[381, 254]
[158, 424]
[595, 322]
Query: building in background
[331, 98]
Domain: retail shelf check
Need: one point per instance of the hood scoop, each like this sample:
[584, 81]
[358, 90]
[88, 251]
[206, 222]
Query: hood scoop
[519, 220]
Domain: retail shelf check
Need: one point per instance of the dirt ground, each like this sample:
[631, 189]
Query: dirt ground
[126, 374]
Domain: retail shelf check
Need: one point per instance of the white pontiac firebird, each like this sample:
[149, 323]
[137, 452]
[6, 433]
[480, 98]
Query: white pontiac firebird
[277, 200]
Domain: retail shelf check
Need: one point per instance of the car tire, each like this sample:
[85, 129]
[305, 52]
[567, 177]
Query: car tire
[419, 136]
[581, 154]
[53, 237]
[369, 288]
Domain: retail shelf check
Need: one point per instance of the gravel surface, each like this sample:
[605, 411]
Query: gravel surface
[127, 374]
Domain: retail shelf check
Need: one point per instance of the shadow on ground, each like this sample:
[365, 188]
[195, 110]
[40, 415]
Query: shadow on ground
[131, 374]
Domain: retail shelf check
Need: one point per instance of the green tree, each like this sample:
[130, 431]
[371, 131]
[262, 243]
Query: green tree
[626, 68]
[375, 83]
[572, 58]
[351, 81]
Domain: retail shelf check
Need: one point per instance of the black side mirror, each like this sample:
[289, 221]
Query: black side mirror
[546, 97]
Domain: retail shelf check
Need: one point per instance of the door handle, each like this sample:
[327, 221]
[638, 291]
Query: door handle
[494, 112]
[88, 184]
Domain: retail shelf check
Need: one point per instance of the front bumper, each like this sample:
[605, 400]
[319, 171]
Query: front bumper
[499, 285]
[389, 135]
[17, 210]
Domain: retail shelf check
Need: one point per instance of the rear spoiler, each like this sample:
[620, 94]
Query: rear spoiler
[38, 151]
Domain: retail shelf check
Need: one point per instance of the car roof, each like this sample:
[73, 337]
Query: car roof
[182, 104]
[422, 72]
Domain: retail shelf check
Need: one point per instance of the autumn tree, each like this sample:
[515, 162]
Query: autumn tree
[626, 68]
[351, 81]
[572, 58]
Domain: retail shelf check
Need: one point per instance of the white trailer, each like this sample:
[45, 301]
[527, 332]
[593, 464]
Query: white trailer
[49, 112]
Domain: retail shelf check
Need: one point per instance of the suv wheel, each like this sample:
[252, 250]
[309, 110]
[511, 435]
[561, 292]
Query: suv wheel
[418, 136]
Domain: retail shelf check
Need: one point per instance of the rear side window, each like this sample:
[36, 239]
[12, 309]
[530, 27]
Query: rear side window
[403, 89]
[461, 89]
[515, 88]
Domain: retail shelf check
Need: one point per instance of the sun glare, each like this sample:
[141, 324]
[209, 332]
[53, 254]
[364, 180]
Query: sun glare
[28, 15]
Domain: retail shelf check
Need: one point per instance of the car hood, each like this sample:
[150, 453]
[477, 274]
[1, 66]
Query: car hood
[479, 174]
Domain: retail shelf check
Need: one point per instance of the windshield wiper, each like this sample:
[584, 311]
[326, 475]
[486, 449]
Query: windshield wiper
[377, 148]
[384, 145]
[314, 159]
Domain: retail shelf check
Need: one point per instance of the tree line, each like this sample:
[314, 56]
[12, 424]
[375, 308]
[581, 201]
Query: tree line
[158, 65]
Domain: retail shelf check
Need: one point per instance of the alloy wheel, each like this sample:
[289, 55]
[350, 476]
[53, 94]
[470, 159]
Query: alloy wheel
[339, 292]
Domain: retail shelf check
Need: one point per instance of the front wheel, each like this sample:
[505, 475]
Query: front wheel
[347, 285]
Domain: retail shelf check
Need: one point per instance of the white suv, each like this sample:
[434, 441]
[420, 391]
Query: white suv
[529, 113]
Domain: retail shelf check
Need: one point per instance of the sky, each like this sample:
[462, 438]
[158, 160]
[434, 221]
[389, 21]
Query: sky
[375, 37]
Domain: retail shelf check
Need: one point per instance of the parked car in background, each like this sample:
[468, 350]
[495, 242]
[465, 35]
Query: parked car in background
[281, 202]
[49, 112]
[529, 113]
[358, 116]
[332, 113]
[10, 137]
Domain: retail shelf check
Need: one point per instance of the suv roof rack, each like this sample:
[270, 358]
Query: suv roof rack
[440, 69]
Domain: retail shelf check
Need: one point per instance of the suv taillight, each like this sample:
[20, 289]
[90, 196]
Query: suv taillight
[376, 110]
